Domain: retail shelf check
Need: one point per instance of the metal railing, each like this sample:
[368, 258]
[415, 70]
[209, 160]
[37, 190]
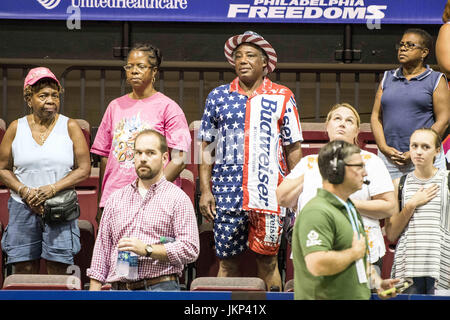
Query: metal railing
[207, 76]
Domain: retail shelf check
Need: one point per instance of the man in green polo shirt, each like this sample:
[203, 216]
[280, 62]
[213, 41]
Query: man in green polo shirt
[329, 243]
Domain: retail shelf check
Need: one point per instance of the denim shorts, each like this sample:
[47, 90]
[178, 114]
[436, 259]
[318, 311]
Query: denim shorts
[27, 238]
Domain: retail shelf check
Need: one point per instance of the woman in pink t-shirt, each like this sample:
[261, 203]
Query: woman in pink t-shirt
[126, 116]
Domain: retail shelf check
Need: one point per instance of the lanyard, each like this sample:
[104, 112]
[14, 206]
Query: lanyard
[351, 211]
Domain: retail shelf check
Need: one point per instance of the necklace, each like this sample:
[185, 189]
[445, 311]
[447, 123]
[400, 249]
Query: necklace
[43, 135]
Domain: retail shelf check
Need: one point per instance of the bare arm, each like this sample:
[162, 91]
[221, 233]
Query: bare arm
[103, 162]
[380, 206]
[443, 49]
[327, 263]
[7, 175]
[289, 190]
[293, 154]
[207, 202]
[176, 164]
[441, 107]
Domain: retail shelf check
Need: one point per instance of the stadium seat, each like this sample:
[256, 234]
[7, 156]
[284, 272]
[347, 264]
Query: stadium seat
[207, 264]
[86, 128]
[289, 264]
[41, 282]
[188, 184]
[83, 258]
[194, 156]
[4, 213]
[228, 284]
[388, 259]
[314, 132]
[314, 137]
[87, 190]
[1, 257]
[366, 138]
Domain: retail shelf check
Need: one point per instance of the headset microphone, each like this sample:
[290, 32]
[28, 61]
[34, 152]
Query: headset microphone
[366, 182]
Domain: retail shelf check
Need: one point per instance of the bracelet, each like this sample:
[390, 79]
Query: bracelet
[20, 189]
[53, 189]
[28, 192]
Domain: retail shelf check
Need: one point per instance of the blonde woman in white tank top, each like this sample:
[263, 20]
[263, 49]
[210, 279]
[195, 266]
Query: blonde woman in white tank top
[41, 154]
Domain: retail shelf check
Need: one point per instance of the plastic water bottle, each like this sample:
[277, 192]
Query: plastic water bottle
[133, 266]
[123, 266]
[163, 239]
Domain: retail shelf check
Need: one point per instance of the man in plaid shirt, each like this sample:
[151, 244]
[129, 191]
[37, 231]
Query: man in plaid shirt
[135, 219]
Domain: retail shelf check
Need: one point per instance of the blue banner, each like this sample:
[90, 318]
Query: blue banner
[275, 11]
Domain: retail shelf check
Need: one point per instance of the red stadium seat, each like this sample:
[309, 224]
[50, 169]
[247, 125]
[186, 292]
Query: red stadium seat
[207, 264]
[4, 213]
[228, 284]
[87, 190]
[314, 132]
[1, 258]
[388, 259]
[289, 264]
[41, 282]
[83, 258]
[194, 155]
[86, 128]
[188, 184]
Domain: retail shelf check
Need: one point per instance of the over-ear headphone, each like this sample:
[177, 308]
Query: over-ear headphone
[336, 169]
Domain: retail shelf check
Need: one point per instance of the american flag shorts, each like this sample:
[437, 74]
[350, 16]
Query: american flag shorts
[236, 231]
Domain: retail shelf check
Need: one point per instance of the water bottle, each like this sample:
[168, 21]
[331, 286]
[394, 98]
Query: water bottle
[163, 239]
[133, 266]
[123, 266]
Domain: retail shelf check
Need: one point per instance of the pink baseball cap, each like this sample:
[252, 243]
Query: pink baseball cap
[37, 74]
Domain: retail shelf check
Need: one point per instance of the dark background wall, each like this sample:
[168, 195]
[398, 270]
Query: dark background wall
[312, 43]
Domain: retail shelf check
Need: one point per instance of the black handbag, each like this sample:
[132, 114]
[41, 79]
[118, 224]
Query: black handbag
[62, 207]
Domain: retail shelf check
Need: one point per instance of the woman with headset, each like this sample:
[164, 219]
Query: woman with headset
[376, 199]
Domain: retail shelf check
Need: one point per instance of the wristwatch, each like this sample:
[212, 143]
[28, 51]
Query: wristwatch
[148, 250]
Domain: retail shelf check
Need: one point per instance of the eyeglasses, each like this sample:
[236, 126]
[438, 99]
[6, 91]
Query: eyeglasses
[360, 165]
[408, 45]
[140, 67]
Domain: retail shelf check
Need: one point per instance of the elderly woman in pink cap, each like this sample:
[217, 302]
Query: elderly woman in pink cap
[41, 154]
[251, 122]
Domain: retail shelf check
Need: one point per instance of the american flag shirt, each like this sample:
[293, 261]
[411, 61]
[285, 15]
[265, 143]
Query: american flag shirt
[164, 211]
[247, 134]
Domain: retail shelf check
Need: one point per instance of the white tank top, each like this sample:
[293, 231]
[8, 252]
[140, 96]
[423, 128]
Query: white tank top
[36, 165]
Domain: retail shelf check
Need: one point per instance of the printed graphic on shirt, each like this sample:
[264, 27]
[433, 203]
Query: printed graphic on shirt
[125, 132]
[313, 160]
[313, 239]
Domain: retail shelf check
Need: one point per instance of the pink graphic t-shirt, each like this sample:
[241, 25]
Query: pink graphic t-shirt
[123, 120]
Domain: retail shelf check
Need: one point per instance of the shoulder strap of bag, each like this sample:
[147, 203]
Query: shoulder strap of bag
[400, 190]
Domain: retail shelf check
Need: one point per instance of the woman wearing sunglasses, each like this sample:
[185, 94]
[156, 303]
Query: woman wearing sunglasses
[410, 97]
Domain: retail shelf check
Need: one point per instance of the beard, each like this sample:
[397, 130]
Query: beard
[146, 175]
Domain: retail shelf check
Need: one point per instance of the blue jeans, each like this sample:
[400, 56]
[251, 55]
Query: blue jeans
[171, 285]
[27, 238]
[421, 285]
